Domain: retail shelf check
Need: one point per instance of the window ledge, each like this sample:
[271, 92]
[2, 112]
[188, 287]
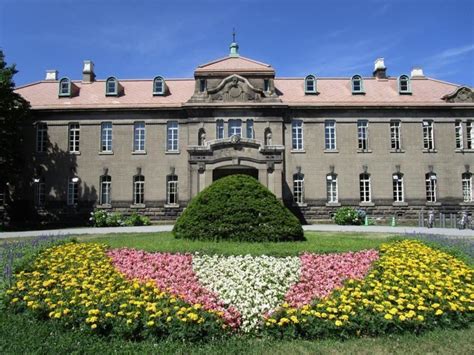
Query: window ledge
[74, 153]
[104, 206]
[173, 152]
[139, 152]
[331, 151]
[138, 205]
[462, 150]
[298, 151]
[333, 204]
[399, 204]
[430, 151]
[433, 203]
[358, 92]
[467, 203]
[397, 151]
[366, 204]
[300, 205]
[106, 153]
[364, 150]
[172, 206]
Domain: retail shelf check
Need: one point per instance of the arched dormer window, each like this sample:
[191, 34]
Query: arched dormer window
[357, 84]
[310, 84]
[111, 87]
[159, 86]
[404, 85]
[65, 87]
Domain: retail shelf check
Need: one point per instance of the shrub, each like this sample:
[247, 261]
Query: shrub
[237, 208]
[348, 215]
[137, 220]
[102, 218]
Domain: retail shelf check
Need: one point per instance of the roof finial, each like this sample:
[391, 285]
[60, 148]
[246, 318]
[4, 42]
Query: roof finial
[234, 47]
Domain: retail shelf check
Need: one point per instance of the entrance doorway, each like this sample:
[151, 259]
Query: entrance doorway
[232, 170]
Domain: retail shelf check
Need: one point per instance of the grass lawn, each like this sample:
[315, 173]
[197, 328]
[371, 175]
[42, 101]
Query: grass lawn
[20, 334]
[322, 242]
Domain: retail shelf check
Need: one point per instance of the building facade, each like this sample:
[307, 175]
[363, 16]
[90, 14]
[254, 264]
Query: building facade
[391, 145]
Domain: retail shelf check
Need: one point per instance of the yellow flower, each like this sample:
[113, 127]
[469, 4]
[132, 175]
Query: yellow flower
[388, 316]
[338, 323]
[439, 312]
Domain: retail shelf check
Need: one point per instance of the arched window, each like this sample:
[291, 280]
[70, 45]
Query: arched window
[64, 87]
[357, 84]
[467, 195]
[159, 86]
[298, 188]
[398, 193]
[310, 84]
[331, 188]
[111, 87]
[172, 189]
[105, 189]
[431, 186]
[268, 136]
[404, 86]
[365, 189]
[202, 137]
[138, 190]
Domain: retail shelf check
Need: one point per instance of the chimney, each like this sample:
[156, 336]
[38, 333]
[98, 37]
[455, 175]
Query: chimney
[417, 73]
[380, 71]
[51, 75]
[88, 75]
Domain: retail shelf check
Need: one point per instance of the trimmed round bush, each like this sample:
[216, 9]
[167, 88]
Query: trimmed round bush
[237, 208]
[348, 216]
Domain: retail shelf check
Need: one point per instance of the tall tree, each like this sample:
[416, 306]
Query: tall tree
[14, 113]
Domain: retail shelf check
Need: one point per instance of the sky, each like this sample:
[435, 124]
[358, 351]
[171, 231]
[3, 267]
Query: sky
[133, 39]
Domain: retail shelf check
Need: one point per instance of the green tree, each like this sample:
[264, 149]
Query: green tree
[14, 113]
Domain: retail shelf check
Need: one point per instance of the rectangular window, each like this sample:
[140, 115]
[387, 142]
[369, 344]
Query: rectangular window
[105, 189]
[298, 190]
[398, 195]
[219, 129]
[266, 85]
[330, 135]
[172, 136]
[470, 134]
[365, 195]
[428, 137]
[2, 195]
[458, 134]
[331, 188]
[139, 137]
[202, 85]
[235, 128]
[250, 132]
[106, 137]
[297, 134]
[467, 187]
[363, 134]
[40, 193]
[139, 190]
[74, 134]
[72, 193]
[41, 137]
[430, 187]
[172, 190]
[395, 135]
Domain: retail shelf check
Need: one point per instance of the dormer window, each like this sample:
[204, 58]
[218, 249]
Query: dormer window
[357, 85]
[202, 85]
[158, 86]
[65, 87]
[310, 84]
[266, 85]
[404, 86]
[111, 87]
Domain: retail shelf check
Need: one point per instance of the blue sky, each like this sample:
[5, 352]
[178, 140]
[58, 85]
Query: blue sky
[141, 39]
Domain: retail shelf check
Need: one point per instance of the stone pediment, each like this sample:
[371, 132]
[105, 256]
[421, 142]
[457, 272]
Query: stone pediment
[461, 94]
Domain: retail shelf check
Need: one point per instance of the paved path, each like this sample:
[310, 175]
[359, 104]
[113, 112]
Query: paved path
[313, 227]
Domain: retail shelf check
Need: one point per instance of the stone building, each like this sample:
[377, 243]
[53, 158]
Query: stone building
[390, 145]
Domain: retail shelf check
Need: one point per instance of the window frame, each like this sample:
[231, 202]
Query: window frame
[3, 194]
[361, 84]
[72, 192]
[139, 137]
[407, 80]
[298, 189]
[39, 193]
[249, 129]
[332, 188]
[233, 129]
[466, 180]
[330, 135]
[431, 187]
[398, 188]
[172, 136]
[74, 137]
[428, 135]
[365, 188]
[41, 137]
[310, 78]
[297, 135]
[220, 129]
[106, 137]
[363, 135]
[68, 93]
[115, 92]
[470, 134]
[202, 85]
[458, 135]
[172, 190]
[156, 80]
[105, 190]
[139, 190]
[395, 135]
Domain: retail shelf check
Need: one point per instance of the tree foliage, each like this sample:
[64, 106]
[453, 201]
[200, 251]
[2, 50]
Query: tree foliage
[237, 208]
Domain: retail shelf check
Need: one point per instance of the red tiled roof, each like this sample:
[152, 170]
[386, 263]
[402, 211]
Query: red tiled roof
[331, 92]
